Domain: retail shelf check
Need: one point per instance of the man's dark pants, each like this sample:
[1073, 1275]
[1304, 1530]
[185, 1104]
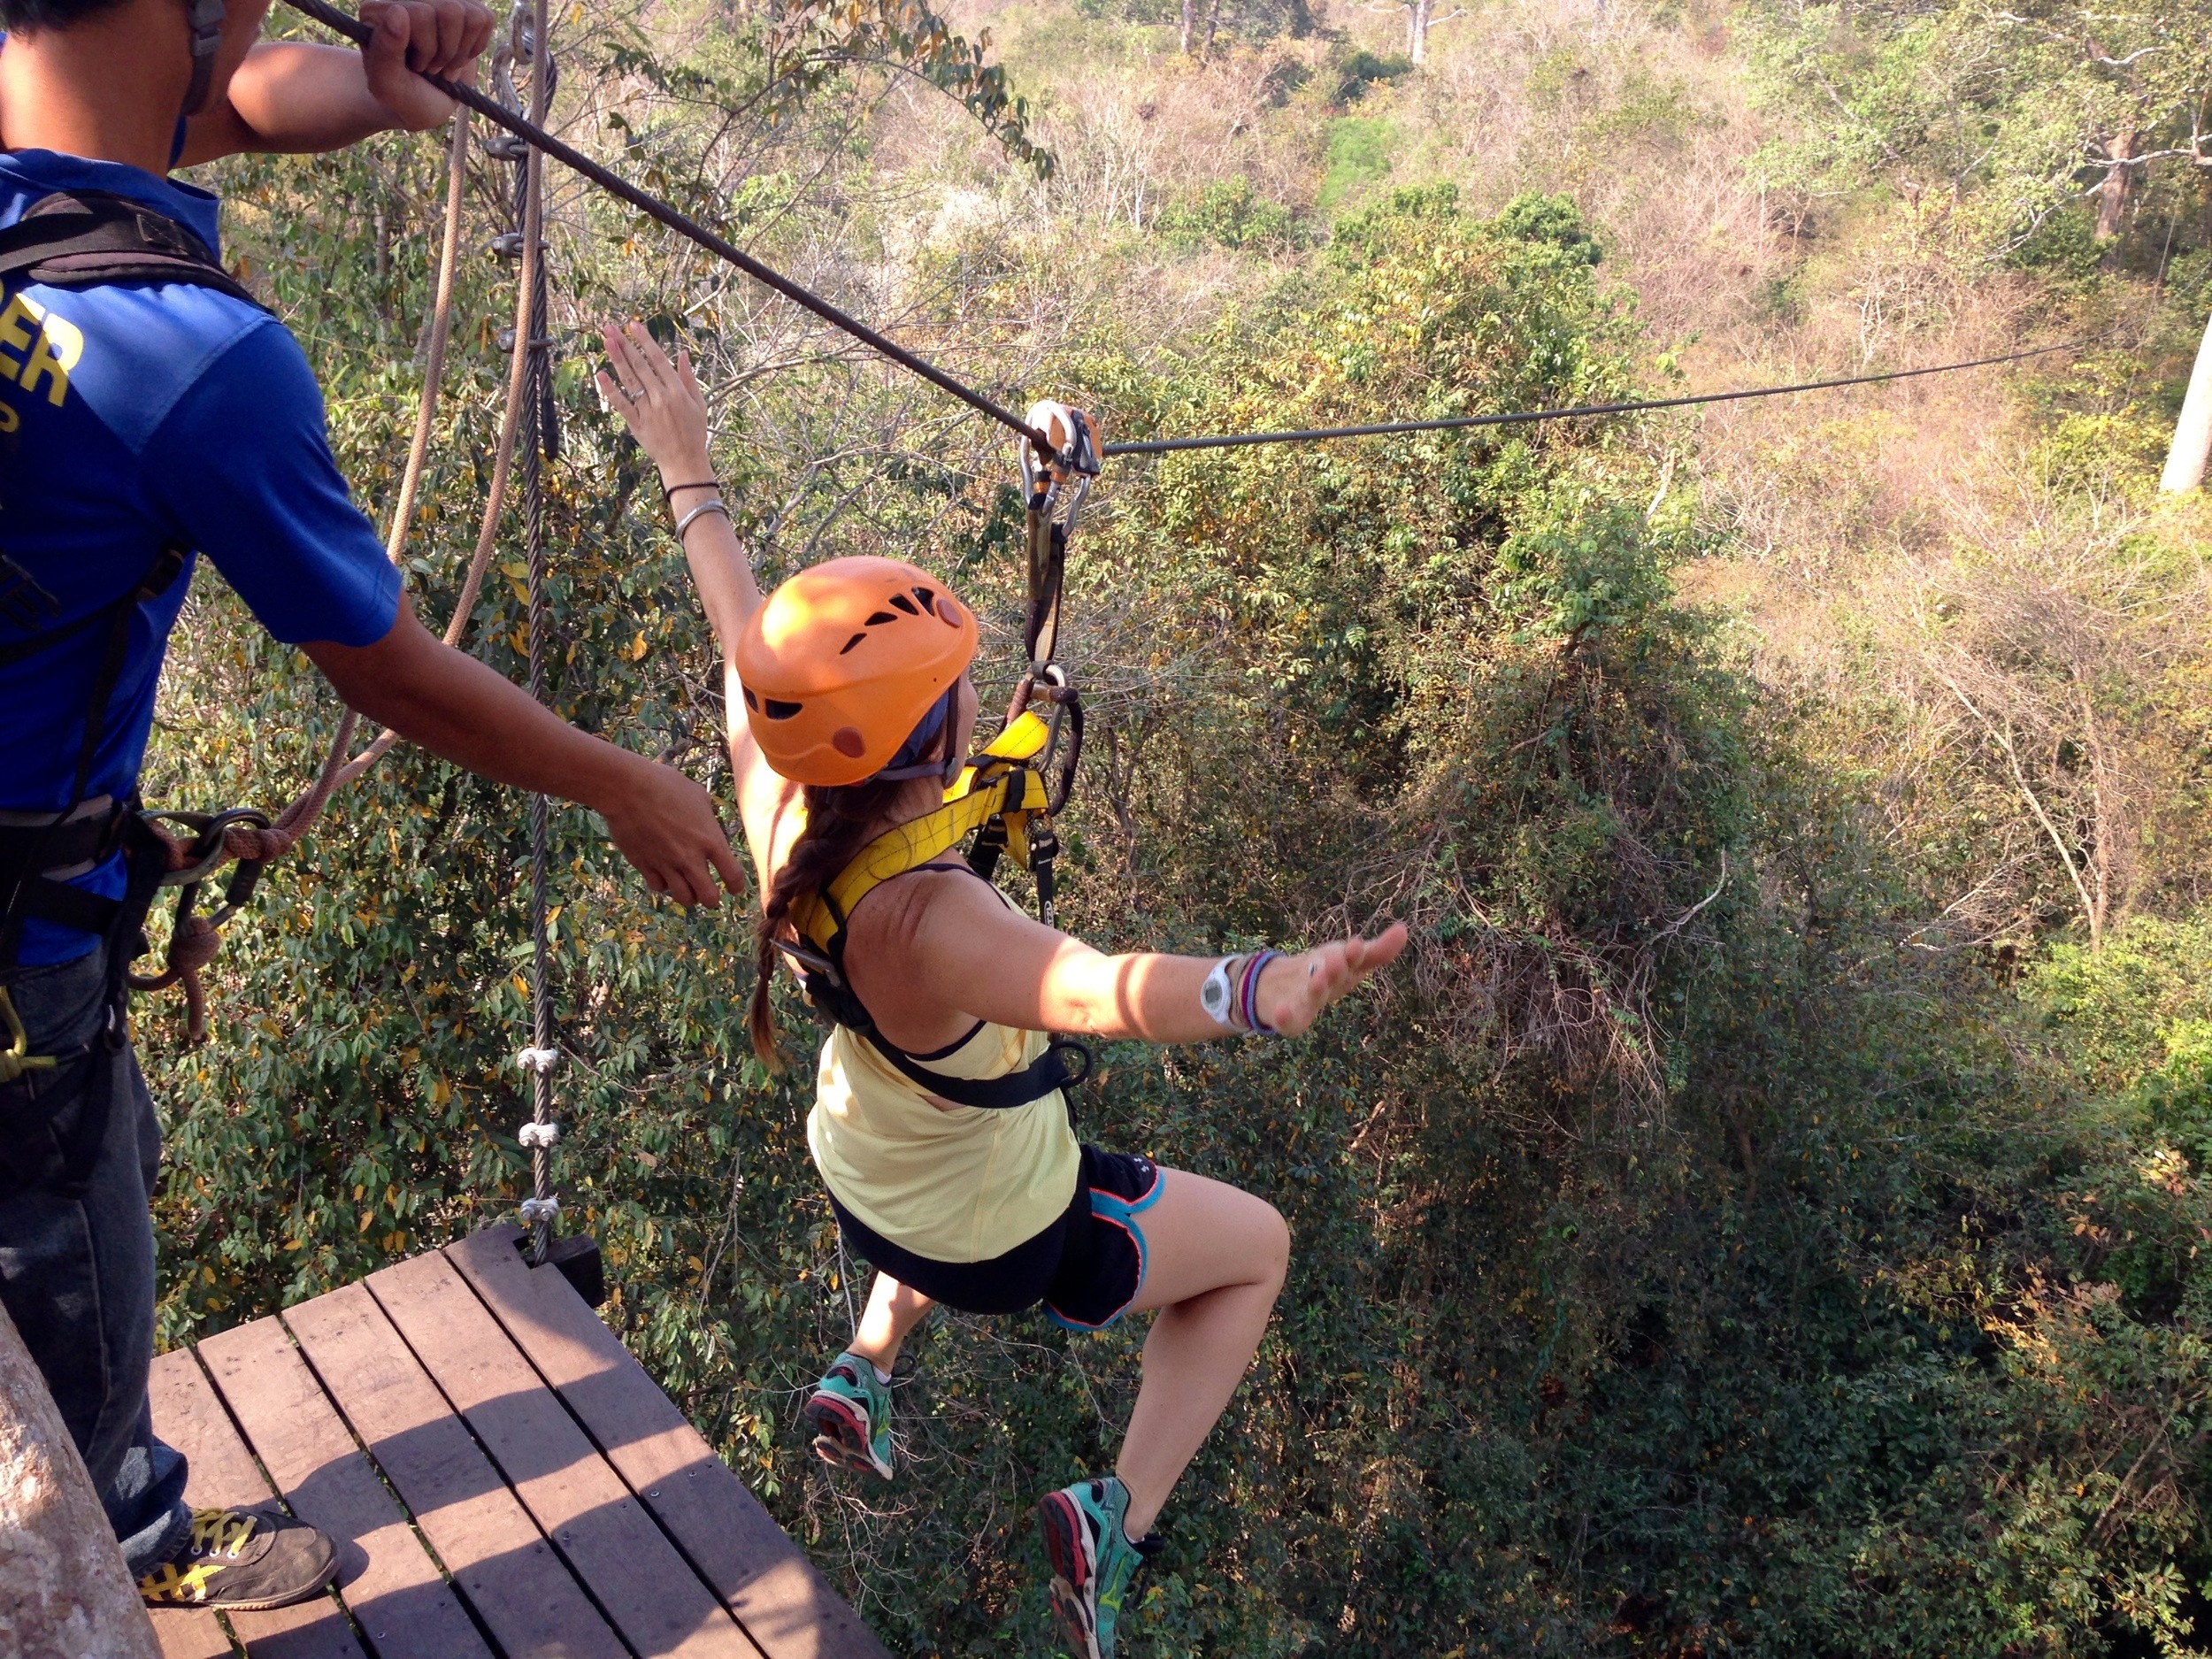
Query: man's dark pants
[77, 1274]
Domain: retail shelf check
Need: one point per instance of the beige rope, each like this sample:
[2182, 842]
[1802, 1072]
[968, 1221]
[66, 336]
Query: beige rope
[195, 942]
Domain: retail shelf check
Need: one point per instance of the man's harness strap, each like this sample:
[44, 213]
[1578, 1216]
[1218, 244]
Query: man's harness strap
[84, 238]
[1001, 794]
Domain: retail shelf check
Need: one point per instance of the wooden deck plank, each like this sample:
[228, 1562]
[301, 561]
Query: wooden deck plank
[648, 1589]
[187, 1632]
[222, 1474]
[395, 1590]
[784, 1604]
[499, 1560]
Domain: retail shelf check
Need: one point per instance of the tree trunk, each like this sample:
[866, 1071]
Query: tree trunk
[2192, 432]
[1418, 30]
[1213, 22]
[1190, 17]
[2119, 184]
[63, 1591]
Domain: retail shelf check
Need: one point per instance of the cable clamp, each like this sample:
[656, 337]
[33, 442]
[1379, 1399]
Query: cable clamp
[535, 1134]
[537, 1210]
[538, 1061]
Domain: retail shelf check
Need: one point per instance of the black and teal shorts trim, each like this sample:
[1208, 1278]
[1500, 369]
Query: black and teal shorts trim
[1084, 1269]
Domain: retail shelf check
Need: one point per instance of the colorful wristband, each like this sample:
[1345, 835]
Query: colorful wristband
[1249, 994]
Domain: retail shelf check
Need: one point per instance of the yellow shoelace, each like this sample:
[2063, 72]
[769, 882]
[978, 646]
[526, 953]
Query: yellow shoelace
[220, 1532]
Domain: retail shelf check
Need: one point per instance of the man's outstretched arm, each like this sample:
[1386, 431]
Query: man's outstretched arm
[292, 97]
[454, 706]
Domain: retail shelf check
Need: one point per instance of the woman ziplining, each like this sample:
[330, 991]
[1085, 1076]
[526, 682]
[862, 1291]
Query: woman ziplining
[940, 1126]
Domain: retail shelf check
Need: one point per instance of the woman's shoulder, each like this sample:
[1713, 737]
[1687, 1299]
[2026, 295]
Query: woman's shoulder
[893, 909]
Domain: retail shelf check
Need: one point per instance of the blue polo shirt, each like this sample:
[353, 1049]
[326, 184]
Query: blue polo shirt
[132, 415]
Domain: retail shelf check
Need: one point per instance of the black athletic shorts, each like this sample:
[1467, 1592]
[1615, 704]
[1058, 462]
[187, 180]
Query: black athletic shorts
[1085, 1268]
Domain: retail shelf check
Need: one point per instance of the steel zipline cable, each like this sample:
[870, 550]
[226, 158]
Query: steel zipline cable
[1578, 411]
[683, 224]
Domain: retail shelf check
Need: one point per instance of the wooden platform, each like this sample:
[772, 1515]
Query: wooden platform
[506, 1480]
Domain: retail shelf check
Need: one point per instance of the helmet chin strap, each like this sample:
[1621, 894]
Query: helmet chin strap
[206, 19]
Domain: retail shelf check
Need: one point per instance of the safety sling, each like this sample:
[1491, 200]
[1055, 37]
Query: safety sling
[81, 238]
[1001, 800]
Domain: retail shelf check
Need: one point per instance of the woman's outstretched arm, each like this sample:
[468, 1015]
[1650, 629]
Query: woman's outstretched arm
[661, 404]
[1013, 970]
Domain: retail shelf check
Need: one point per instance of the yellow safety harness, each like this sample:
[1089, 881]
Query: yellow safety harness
[1001, 802]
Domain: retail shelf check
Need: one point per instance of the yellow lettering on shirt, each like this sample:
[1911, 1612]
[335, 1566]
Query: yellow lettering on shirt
[55, 345]
[13, 335]
[9, 420]
[60, 347]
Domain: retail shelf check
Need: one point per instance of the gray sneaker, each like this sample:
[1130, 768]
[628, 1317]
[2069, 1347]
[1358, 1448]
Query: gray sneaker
[243, 1559]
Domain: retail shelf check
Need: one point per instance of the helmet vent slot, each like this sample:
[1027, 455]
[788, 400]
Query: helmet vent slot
[928, 599]
[878, 619]
[849, 644]
[775, 709]
[751, 701]
[905, 605]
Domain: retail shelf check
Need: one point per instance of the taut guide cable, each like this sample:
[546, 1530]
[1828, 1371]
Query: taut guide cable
[684, 225]
[1580, 411]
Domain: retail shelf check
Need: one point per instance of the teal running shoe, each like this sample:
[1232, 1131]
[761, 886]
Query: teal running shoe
[850, 1413]
[1092, 1561]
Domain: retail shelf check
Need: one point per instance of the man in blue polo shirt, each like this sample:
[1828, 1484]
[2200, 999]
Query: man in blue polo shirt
[143, 423]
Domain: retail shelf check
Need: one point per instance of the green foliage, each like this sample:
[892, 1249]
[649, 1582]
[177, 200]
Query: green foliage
[1698, 1249]
[1549, 219]
[1357, 155]
[1363, 69]
[1997, 120]
[1229, 213]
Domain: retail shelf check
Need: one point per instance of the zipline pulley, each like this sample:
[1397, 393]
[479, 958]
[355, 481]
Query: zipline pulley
[1054, 482]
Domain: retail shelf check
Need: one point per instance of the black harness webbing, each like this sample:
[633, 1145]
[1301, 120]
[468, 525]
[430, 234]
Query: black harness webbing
[75, 240]
[85, 238]
[1001, 794]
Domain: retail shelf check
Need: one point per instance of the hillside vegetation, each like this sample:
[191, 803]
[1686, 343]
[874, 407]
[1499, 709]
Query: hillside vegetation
[1764, 1214]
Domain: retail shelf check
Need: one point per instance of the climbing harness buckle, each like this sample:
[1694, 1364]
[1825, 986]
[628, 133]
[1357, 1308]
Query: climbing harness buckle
[17, 1058]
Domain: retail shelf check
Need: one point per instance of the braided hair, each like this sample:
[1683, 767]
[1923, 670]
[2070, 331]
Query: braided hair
[840, 821]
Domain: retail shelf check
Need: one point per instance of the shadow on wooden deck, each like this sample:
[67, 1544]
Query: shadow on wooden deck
[507, 1481]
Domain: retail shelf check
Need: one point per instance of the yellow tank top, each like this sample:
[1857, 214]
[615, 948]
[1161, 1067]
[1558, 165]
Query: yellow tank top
[953, 1184]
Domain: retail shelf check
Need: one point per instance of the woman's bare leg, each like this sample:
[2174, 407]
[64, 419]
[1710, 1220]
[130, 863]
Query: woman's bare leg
[893, 1311]
[1215, 1262]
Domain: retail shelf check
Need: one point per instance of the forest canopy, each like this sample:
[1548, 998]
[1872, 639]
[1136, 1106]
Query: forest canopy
[1763, 1214]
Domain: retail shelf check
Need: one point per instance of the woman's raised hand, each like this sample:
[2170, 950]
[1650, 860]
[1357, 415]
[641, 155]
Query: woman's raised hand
[1293, 990]
[659, 402]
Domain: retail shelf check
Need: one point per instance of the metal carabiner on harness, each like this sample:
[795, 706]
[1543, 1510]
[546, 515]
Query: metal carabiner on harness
[17, 1057]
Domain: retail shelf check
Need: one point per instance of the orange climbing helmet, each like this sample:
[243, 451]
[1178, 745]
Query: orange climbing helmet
[842, 663]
